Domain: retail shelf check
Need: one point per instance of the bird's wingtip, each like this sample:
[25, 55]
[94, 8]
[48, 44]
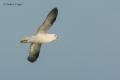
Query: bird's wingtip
[55, 9]
[31, 59]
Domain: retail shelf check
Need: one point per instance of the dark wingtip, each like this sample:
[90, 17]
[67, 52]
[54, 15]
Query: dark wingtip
[55, 9]
[54, 13]
[32, 59]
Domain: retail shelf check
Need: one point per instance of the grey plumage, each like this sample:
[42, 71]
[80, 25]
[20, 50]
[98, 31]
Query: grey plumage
[48, 21]
[34, 52]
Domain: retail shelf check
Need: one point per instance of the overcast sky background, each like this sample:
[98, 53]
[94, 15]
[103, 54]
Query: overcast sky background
[88, 47]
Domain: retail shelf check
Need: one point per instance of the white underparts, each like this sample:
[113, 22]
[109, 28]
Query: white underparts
[40, 38]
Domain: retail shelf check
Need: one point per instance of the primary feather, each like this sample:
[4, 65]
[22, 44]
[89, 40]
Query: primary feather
[34, 52]
[48, 21]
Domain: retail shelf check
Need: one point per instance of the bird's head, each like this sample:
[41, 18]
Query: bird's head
[52, 37]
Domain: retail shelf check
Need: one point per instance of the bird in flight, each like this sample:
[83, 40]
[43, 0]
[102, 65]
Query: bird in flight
[41, 36]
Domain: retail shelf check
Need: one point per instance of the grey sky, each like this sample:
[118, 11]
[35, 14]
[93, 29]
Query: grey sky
[88, 47]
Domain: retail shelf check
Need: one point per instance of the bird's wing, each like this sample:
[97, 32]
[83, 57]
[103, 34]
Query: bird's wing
[48, 21]
[34, 52]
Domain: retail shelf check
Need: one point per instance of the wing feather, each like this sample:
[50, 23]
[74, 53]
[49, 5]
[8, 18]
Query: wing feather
[48, 21]
[34, 52]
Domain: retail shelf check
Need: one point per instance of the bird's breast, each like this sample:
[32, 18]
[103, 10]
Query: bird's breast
[41, 38]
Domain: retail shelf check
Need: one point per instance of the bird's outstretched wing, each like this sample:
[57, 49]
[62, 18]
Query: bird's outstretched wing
[34, 52]
[48, 21]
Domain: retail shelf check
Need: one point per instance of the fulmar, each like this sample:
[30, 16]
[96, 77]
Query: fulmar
[41, 36]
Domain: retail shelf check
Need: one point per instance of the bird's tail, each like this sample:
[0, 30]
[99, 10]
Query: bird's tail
[26, 40]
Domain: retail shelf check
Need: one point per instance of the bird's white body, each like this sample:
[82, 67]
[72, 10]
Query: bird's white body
[45, 38]
[40, 38]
